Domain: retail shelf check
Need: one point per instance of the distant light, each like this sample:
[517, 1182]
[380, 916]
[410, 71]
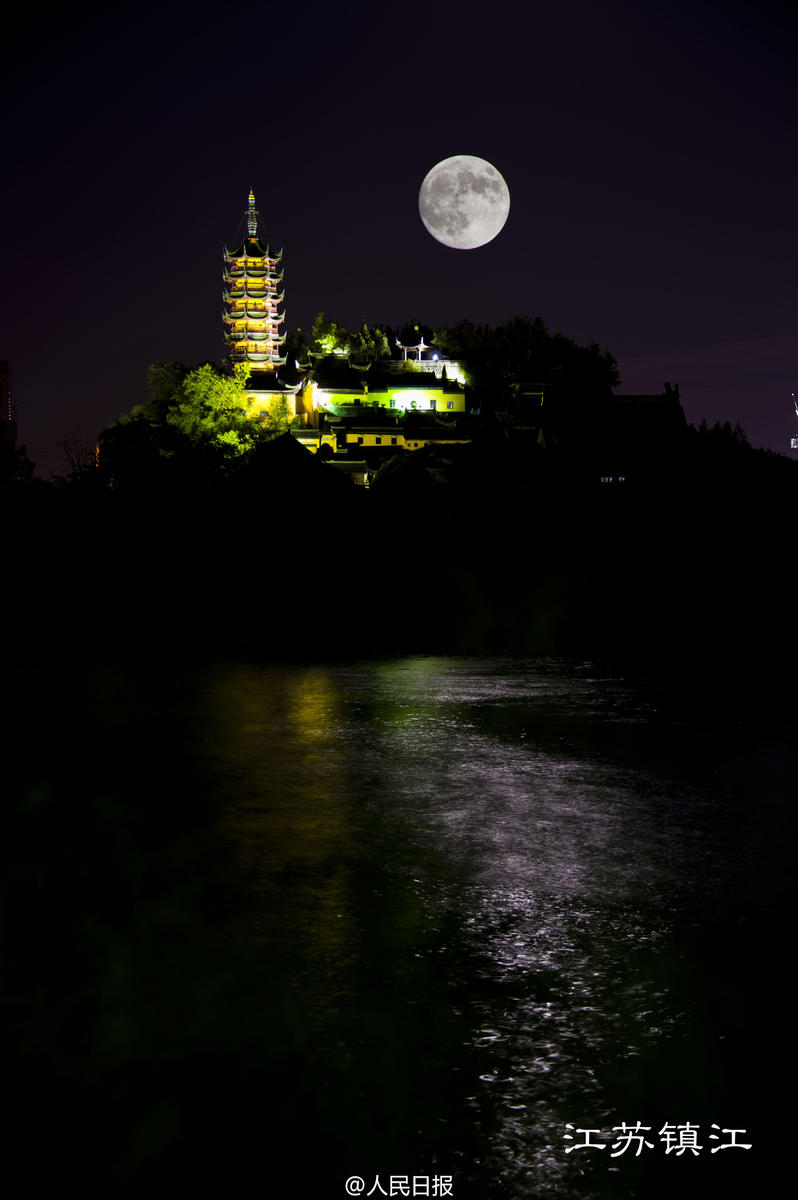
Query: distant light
[434, 358]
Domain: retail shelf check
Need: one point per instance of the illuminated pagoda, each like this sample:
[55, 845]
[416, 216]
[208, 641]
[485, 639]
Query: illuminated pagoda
[253, 279]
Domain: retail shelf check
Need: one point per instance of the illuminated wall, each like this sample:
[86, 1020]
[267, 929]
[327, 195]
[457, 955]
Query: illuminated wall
[391, 438]
[312, 440]
[424, 398]
[401, 399]
[268, 402]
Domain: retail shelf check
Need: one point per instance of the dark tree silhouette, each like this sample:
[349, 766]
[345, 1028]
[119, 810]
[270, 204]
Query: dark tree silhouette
[578, 379]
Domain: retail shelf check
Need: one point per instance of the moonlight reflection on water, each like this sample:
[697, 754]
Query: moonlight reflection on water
[498, 882]
[401, 918]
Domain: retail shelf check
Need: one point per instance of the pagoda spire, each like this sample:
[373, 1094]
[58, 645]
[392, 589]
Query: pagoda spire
[252, 216]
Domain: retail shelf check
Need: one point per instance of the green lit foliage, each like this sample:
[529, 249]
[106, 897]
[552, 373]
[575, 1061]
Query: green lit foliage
[329, 337]
[196, 419]
[366, 344]
[211, 408]
[278, 418]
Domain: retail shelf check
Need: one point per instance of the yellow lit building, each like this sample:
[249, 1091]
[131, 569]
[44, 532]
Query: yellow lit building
[371, 437]
[252, 295]
[335, 388]
[252, 316]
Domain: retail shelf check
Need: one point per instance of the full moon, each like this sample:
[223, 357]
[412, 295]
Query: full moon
[464, 202]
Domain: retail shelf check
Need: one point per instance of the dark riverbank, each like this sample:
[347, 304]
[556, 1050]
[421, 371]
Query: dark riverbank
[682, 572]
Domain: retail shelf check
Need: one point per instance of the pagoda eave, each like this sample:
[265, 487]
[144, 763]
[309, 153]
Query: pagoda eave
[252, 274]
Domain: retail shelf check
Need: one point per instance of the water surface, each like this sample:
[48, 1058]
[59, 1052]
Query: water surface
[400, 918]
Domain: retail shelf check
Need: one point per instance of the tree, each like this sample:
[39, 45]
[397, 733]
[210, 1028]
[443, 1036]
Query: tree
[80, 455]
[578, 379]
[295, 347]
[329, 337]
[369, 344]
[199, 419]
[523, 349]
[366, 344]
[724, 436]
[212, 408]
[164, 380]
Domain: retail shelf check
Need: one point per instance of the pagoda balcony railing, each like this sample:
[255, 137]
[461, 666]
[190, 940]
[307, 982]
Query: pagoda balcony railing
[255, 293]
[235, 267]
[239, 287]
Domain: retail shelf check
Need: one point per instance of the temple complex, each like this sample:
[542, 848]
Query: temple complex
[330, 397]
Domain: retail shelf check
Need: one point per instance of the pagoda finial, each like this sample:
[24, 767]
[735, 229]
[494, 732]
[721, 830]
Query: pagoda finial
[252, 216]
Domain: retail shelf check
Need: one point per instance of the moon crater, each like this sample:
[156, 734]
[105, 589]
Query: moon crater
[463, 202]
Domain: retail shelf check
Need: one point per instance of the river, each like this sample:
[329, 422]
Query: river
[420, 918]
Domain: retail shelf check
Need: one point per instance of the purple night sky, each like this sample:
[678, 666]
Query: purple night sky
[649, 151]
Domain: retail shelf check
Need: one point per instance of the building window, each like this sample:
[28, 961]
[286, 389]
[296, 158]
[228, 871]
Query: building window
[360, 441]
[450, 403]
[378, 441]
[393, 441]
